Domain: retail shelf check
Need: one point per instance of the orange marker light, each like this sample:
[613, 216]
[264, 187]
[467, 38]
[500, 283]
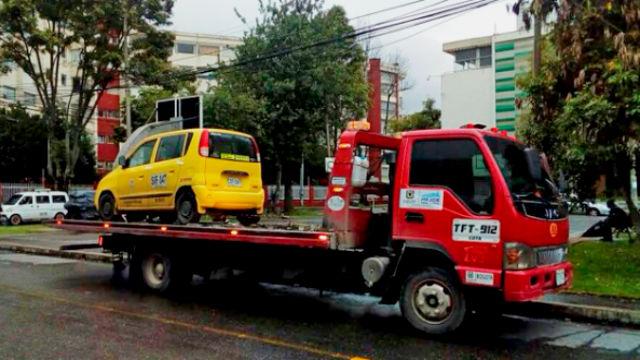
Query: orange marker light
[99, 240]
[323, 237]
[234, 232]
[338, 189]
[58, 222]
[106, 225]
[163, 228]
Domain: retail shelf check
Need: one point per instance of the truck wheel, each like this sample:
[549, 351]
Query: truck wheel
[160, 272]
[248, 219]
[107, 207]
[432, 301]
[15, 219]
[186, 208]
[58, 217]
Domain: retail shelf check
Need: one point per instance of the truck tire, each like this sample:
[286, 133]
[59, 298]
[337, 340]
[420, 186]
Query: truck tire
[161, 272]
[432, 301]
[107, 207]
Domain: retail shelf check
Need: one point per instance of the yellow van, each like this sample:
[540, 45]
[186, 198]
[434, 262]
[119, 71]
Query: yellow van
[180, 175]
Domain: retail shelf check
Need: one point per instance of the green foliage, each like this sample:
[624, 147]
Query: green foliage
[23, 145]
[289, 101]
[584, 104]
[427, 118]
[37, 35]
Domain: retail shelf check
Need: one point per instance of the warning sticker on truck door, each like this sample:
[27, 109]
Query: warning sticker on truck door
[476, 230]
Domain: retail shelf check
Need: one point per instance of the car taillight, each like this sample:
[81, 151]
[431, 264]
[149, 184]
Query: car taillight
[203, 147]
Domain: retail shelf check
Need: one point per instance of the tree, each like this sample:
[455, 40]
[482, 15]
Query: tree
[584, 103]
[37, 35]
[427, 118]
[290, 101]
[23, 145]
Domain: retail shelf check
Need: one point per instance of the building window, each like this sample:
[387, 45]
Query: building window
[8, 93]
[208, 50]
[183, 48]
[63, 79]
[74, 56]
[29, 99]
[104, 139]
[388, 106]
[474, 58]
[115, 114]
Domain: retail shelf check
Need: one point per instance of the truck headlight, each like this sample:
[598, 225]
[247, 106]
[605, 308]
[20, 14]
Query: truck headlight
[518, 256]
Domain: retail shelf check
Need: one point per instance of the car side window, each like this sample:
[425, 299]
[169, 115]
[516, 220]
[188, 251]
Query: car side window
[26, 200]
[457, 164]
[59, 199]
[142, 155]
[43, 199]
[170, 147]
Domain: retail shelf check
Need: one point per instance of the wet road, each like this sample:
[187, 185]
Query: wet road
[55, 308]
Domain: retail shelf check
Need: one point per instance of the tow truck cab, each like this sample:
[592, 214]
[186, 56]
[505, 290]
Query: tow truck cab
[477, 200]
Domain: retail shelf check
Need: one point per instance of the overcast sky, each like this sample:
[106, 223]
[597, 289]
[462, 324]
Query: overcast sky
[425, 60]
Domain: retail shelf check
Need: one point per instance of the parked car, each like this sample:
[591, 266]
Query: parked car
[31, 206]
[80, 205]
[596, 208]
[180, 175]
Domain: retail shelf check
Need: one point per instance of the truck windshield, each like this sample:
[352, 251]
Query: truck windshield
[534, 198]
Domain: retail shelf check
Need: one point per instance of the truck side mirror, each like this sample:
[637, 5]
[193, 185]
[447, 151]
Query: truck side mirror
[122, 161]
[533, 163]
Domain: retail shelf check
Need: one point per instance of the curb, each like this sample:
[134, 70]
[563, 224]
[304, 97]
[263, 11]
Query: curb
[75, 255]
[580, 312]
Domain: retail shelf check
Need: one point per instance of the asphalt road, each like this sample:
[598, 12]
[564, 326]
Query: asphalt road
[56, 308]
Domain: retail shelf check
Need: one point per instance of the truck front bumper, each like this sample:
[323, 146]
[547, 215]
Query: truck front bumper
[530, 284]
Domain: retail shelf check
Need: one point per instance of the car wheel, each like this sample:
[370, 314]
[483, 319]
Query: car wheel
[186, 208]
[15, 219]
[432, 301]
[107, 207]
[161, 273]
[593, 212]
[59, 217]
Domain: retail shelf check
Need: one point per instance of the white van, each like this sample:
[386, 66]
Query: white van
[32, 206]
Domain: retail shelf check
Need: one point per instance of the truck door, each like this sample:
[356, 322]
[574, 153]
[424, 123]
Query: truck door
[133, 188]
[446, 197]
[166, 170]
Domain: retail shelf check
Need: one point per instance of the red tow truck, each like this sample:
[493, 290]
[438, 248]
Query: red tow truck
[445, 222]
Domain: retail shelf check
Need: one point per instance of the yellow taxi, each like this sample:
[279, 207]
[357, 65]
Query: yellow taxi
[180, 175]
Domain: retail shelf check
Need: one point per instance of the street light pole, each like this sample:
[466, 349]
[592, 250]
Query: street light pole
[125, 68]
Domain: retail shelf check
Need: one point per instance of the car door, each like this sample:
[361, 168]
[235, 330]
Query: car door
[26, 208]
[43, 206]
[446, 199]
[166, 170]
[133, 188]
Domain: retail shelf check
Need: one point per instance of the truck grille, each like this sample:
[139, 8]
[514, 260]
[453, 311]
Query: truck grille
[551, 255]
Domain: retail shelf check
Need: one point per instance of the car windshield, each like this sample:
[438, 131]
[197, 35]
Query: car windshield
[81, 195]
[13, 199]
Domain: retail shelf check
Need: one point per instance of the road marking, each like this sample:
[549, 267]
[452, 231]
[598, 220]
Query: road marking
[210, 329]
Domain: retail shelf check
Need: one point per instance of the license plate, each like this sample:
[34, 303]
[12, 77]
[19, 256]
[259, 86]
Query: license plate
[233, 181]
[560, 277]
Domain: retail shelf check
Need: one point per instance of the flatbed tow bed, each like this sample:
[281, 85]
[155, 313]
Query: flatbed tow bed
[264, 236]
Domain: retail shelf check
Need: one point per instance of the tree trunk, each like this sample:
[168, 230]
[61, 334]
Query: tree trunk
[275, 197]
[288, 194]
[623, 178]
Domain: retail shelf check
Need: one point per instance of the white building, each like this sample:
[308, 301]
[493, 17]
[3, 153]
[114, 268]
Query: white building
[482, 86]
[200, 51]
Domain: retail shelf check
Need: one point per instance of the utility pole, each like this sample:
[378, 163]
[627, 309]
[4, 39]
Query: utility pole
[125, 67]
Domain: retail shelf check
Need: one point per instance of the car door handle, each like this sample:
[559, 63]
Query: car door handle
[414, 217]
[140, 177]
[172, 171]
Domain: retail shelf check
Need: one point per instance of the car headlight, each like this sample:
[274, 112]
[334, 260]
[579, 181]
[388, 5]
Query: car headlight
[518, 256]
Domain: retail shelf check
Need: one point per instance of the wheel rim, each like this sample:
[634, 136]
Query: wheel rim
[185, 209]
[432, 302]
[15, 220]
[156, 270]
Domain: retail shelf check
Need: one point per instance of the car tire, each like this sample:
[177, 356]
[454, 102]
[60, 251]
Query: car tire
[162, 273]
[15, 219]
[186, 210]
[107, 207]
[59, 217]
[433, 302]
[593, 212]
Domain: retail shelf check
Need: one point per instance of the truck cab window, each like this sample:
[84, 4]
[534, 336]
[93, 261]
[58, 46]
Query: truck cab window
[456, 164]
